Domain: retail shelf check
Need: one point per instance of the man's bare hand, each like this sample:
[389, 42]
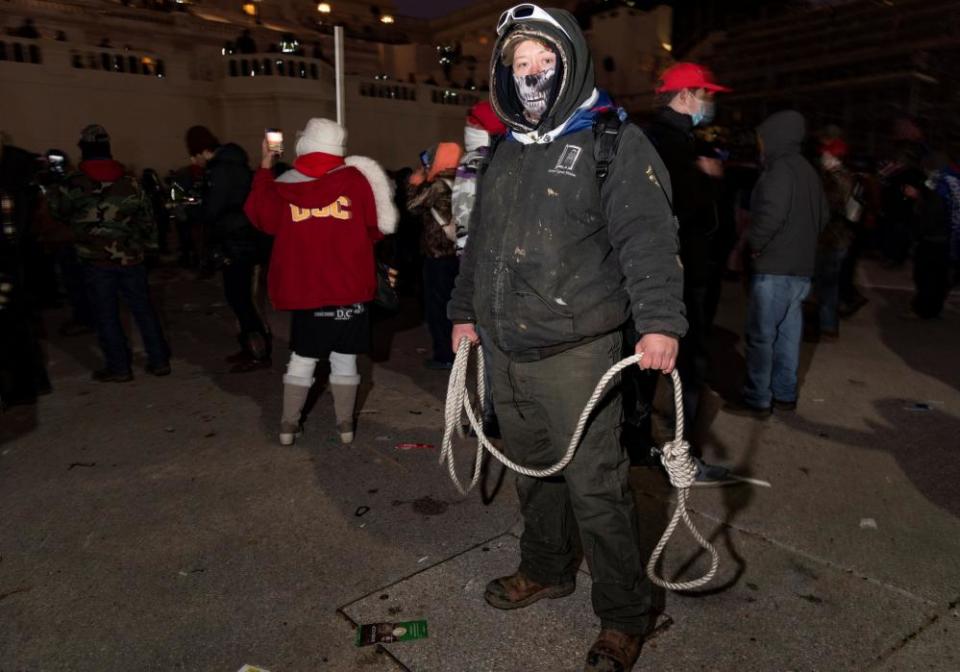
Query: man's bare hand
[461, 330]
[659, 352]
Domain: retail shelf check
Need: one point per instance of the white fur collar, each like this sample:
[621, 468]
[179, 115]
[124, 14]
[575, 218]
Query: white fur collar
[383, 188]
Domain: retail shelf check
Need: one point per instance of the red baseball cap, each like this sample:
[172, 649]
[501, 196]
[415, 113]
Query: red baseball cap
[688, 76]
[837, 147]
[482, 116]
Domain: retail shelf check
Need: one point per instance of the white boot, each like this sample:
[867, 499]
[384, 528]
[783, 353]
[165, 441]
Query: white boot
[344, 390]
[294, 398]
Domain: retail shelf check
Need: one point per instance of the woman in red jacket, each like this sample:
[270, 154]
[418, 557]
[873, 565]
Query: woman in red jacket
[325, 214]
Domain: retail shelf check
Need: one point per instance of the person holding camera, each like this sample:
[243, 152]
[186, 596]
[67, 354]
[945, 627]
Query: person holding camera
[232, 244]
[113, 227]
[325, 214]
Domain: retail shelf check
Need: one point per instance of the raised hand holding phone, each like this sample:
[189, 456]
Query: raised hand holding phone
[271, 147]
[275, 140]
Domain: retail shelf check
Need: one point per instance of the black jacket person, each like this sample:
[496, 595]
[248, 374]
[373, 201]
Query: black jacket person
[687, 91]
[555, 264]
[232, 243]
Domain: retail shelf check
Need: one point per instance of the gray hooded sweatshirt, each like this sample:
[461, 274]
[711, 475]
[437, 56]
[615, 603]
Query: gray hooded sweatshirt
[789, 208]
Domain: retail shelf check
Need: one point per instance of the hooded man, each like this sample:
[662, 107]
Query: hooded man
[557, 261]
[788, 210]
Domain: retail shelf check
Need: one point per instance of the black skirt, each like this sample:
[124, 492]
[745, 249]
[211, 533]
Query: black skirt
[344, 329]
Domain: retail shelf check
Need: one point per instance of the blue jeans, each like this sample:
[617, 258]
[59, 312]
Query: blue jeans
[774, 330]
[105, 285]
[829, 262]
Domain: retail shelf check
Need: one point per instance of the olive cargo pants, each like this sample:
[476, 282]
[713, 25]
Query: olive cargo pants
[538, 404]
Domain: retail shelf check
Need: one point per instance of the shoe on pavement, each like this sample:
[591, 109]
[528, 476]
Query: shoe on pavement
[346, 430]
[614, 651]
[517, 591]
[159, 369]
[289, 433]
[108, 376]
[712, 475]
[743, 409]
[785, 405]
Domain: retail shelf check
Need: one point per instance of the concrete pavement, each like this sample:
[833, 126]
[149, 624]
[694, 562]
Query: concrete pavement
[157, 525]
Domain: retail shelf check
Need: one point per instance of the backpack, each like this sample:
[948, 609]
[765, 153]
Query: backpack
[607, 131]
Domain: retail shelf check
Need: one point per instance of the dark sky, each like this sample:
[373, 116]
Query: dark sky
[430, 9]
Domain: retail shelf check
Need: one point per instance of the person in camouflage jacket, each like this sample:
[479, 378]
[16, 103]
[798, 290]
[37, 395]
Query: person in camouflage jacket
[109, 214]
[113, 228]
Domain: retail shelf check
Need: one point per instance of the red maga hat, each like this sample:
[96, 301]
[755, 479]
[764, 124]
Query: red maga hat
[482, 116]
[688, 76]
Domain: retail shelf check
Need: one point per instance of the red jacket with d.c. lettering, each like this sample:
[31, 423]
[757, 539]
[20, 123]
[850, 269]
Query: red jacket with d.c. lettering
[325, 215]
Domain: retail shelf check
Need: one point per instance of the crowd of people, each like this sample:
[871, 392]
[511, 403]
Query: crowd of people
[559, 236]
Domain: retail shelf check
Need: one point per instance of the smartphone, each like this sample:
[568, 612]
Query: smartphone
[275, 140]
[56, 162]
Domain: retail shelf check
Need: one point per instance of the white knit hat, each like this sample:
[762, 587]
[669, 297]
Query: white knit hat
[322, 135]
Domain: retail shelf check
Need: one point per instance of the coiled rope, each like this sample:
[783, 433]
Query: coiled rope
[675, 455]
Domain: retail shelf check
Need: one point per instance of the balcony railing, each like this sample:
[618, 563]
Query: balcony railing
[273, 65]
[437, 95]
[20, 51]
[383, 89]
[115, 60]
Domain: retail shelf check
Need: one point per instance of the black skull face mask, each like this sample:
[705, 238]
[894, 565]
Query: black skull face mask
[533, 91]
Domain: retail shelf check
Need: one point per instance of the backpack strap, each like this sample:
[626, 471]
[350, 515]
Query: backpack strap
[607, 128]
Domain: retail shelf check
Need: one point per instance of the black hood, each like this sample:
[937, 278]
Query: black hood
[782, 134]
[230, 153]
[575, 82]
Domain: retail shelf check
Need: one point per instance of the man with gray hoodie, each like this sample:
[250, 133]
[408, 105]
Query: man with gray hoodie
[788, 211]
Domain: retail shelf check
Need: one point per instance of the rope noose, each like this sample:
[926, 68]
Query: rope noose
[675, 454]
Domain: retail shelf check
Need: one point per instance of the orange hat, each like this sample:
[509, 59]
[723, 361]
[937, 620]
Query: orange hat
[446, 157]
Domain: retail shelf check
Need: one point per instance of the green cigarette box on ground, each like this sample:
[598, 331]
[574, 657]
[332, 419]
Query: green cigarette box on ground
[387, 633]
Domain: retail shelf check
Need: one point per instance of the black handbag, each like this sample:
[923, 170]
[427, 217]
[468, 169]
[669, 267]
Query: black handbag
[387, 297]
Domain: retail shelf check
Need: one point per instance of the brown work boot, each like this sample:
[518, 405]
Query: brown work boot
[614, 651]
[517, 591]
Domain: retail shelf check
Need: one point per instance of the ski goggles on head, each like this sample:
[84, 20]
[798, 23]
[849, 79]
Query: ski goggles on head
[527, 11]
